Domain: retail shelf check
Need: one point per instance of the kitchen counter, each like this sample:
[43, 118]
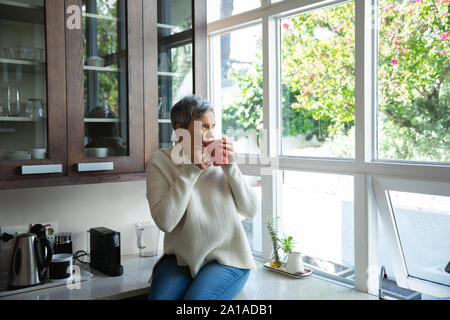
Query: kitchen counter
[133, 282]
[262, 285]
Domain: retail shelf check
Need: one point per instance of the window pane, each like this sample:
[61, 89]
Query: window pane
[423, 224]
[253, 227]
[318, 83]
[219, 9]
[238, 87]
[317, 211]
[105, 78]
[413, 80]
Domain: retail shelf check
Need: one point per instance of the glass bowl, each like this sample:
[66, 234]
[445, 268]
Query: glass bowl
[23, 53]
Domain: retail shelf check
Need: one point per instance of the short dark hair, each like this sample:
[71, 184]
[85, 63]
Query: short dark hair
[187, 109]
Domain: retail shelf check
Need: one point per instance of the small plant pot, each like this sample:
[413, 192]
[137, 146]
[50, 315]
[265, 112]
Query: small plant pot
[294, 263]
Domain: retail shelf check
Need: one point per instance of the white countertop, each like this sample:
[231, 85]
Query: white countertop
[133, 282]
[262, 284]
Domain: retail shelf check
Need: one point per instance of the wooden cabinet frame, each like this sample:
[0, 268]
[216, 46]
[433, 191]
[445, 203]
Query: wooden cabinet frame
[75, 97]
[64, 50]
[10, 171]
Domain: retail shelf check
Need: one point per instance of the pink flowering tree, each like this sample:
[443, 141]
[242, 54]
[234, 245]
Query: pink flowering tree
[413, 80]
[318, 77]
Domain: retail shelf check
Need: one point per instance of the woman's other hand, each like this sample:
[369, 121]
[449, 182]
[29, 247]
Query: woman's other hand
[229, 147]
[221, 151]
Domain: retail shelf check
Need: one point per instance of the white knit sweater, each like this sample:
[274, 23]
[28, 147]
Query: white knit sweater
[198, 211]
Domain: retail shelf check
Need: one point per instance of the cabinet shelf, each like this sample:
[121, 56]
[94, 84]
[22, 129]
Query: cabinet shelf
[21, 12]
[20, 119]
[27, 65]
[168, 26]
[101, 120]
[99, 17]
[170, 74]
[102, 69]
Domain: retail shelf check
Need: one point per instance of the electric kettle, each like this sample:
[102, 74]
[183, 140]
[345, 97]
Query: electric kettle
[28, 265]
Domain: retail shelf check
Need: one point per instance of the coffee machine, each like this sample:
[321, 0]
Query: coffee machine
[105, 251]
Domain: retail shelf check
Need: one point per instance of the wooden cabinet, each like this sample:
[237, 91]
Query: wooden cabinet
[98, 86]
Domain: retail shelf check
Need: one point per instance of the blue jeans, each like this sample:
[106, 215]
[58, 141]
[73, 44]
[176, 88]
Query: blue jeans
[213, 282]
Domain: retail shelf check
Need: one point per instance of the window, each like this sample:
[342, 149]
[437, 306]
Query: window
[219, 9]
[347, 93]
[318, 83]
[413, 80]
[416, 221]
[252, 227]
[317, 211]
[237, 87]
[423, 223]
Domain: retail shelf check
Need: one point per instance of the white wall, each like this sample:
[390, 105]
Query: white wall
[117, 206]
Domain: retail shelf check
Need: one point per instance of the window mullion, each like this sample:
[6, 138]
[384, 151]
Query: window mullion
[363, 81]
[269, 180]
[364, 207]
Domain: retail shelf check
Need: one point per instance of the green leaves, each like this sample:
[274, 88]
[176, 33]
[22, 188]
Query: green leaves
[287, 244]
[318, 79]
[413, 94]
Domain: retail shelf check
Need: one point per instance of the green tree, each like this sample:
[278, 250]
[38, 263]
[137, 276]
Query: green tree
[247, 107]
[318, 78]
[413, 69]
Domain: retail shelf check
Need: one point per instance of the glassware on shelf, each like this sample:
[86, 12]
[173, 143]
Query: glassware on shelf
[3, 112]
[23, 53]
[17, 155]
[162, 108]
[28, 110]
[3, 99]
[95, 61]
[163, 62]
[23, 75]
[39, 108]
[34, 108]
[14, 104]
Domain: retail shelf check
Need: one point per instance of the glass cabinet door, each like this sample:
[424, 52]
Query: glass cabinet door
[175, 61]
[105, 82]
[105, 78]
[33, 130]
[23, 81]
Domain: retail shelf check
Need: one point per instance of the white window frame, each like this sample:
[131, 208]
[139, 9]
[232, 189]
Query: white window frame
[364, 167]
[382, 186]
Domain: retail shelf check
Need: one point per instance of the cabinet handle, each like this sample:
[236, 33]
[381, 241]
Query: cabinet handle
[95, 166]
[42, 169]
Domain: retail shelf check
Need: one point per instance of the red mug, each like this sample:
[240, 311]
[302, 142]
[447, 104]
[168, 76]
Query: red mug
[216, 162]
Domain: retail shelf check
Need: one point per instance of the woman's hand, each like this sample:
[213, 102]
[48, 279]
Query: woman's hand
[228, 144]
[201, 158]
[221, 158]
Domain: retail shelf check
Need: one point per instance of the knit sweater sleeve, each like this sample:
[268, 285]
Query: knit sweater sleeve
[168, 203]
[244, 197]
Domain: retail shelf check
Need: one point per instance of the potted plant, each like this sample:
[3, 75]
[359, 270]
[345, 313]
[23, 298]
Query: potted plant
[287, 244]
[273, 233]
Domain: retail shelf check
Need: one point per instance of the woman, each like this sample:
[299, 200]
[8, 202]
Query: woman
[197, 205]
